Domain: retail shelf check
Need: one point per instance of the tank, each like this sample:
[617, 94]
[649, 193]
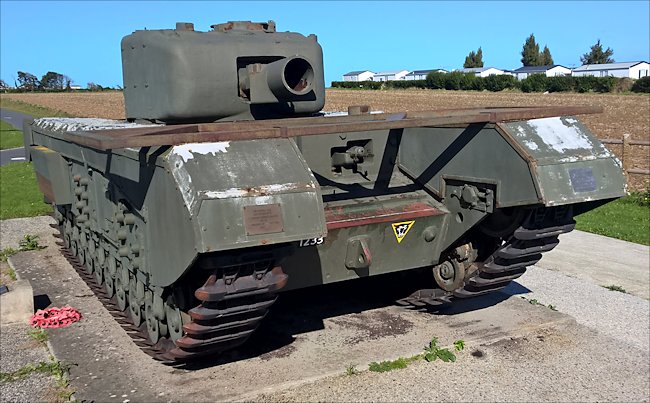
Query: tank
[227, 186]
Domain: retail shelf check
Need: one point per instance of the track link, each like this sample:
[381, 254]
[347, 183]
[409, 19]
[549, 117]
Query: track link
[538, 234]
[226, 317]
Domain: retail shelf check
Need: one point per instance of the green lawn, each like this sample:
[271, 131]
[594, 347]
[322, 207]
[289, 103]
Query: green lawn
[19, 194]
[32, 110]
[9, 136]
[627, 219]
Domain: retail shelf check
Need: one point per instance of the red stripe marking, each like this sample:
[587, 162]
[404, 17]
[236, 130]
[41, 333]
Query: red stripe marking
[338, 217]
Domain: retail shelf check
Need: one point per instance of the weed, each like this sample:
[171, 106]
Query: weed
[432, 352]
[351, 370]
[552, 307]
[534, 302]
[399, 363]
[30, 242]
[38, 334]
[615, 288]
[6, 252]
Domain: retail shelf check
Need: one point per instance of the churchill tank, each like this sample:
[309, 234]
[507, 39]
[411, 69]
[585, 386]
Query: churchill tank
[227, 185]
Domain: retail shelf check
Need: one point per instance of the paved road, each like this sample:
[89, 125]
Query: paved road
[16, 120]
[595, 347]
[12, 155]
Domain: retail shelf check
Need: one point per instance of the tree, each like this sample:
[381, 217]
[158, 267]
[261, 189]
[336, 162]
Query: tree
[3, 85]
[55, 81]
[597, 55]
[530, 52]
[27, 81]
[474, 59]
[545, 57]
[94, 87]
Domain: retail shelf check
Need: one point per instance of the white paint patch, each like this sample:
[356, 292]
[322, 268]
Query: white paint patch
[558, 136]
[531, 145]
[187, 151]
[183, 179]
[257, 192]
[521, 132]
[18, 159]
[86, 124]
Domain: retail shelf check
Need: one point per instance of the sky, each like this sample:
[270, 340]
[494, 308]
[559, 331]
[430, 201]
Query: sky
[82, 39]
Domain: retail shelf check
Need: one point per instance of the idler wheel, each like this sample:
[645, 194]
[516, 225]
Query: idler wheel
[67, 241]
[155, 328]
[174, 322]
[449, 275]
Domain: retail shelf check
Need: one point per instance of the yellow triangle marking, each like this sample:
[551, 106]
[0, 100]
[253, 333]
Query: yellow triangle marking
[400, 229]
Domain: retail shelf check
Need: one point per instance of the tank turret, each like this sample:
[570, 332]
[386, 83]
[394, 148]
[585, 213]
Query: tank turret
[239, 70]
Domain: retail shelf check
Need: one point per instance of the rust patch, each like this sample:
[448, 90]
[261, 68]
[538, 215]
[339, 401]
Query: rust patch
[340, 217]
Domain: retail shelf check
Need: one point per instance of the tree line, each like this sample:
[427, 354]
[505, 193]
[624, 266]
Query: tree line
[51, 81]
[532, 56]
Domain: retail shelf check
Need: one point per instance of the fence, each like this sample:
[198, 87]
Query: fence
[626, 155]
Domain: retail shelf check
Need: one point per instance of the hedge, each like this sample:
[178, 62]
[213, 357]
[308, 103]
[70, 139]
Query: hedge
[642, 84]
[533, 83]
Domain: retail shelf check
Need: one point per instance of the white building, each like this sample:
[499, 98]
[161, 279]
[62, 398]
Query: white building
[361, 75]
[482, 71]
[550, 71]
[422, 74]
[625, 69]
[390, 75]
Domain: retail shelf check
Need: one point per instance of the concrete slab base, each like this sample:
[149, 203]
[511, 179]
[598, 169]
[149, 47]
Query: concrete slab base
[17, 305]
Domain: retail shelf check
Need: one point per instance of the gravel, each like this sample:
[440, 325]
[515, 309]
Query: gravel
[18, 349]
[624, 317]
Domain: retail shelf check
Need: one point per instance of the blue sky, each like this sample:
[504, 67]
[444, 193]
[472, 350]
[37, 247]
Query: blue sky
[82, 39]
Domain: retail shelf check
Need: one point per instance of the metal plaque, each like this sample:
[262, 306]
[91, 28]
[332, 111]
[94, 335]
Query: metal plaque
[263, 219]
[582, 180]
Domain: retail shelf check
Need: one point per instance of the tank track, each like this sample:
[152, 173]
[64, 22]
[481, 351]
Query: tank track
[538, 234]
[230, 310]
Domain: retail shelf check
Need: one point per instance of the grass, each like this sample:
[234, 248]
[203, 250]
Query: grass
[32, 110]
[9, 136]
[351, 370]
[627, 218]
[533, 301]
[19, 192]
[54, 368]
[615, 288]
[6, 252]
[38, 334]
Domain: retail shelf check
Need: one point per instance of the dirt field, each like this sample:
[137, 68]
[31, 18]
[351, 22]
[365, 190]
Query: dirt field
[623, 113]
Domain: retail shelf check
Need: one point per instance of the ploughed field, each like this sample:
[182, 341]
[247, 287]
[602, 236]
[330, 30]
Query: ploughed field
[623, 113]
